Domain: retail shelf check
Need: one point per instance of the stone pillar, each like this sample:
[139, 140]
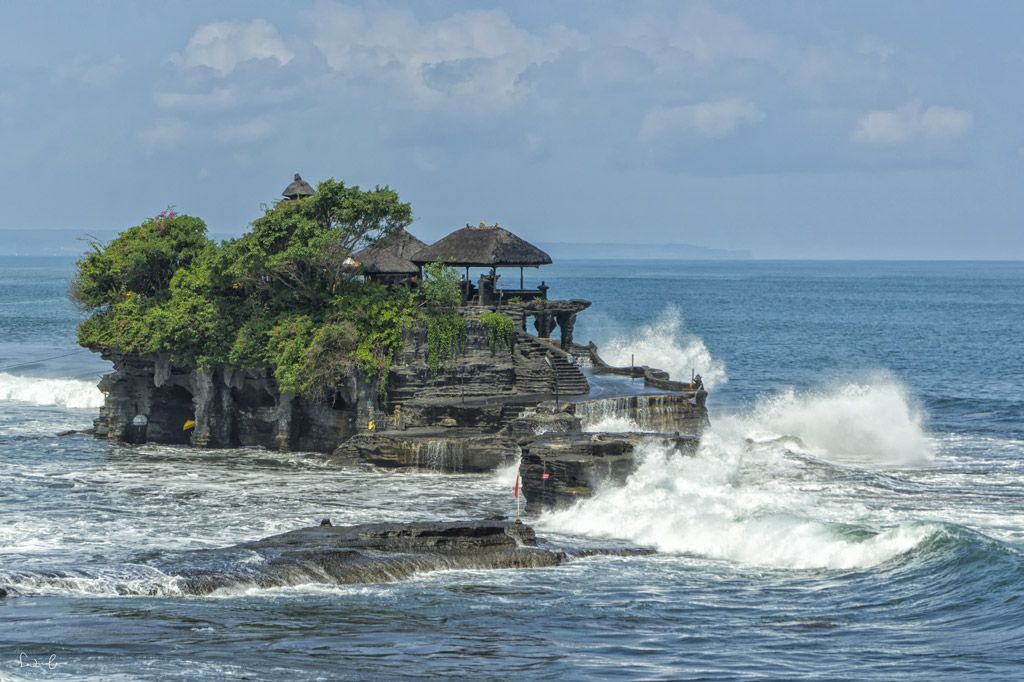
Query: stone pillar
[544, 324]
[566, 322]
[205, 408]
[283, 437]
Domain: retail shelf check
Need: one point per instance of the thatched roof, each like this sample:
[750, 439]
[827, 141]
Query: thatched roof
[483, 246]
[391, 255]
[298, 188]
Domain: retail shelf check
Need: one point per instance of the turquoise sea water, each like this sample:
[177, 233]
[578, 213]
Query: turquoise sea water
[857, 510]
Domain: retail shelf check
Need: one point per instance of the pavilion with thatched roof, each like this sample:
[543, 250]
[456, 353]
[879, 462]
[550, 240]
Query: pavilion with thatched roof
[297, 189]
[389, 260]
[487, 246]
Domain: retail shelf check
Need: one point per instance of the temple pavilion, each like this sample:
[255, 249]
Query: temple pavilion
[389, 260]
[487, 246]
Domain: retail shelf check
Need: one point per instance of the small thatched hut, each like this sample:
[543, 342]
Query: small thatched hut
[484, 247]
[487, 247]
[390, 259]
[297, 189]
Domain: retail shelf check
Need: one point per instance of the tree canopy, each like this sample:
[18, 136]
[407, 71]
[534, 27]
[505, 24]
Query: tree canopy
[281, 296]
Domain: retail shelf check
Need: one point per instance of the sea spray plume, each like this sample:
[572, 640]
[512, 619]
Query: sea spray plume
[874, 422]
[665, 345]
[727, 503]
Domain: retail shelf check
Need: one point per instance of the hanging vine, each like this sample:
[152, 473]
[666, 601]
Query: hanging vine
[501, 330]
[446, 339]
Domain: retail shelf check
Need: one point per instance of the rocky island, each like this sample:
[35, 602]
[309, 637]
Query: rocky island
[328, 327]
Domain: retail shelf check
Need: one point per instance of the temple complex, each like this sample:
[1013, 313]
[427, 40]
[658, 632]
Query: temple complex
[530, 398]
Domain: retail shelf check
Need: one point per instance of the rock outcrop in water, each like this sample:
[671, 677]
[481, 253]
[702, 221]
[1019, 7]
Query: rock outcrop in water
[332, 555]
[559, 469]
[370, 553]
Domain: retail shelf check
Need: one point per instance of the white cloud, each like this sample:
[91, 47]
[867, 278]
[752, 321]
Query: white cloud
[217, 99]
[701, 33]
[98, 74]
[223, 45]
[707, 119]
[244, 132]
[912, 123]
[469, 60]
[163, 135]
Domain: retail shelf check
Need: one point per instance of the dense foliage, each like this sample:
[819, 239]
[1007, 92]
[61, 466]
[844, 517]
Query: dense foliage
[446, 328]
[281, 296]
[501, 330]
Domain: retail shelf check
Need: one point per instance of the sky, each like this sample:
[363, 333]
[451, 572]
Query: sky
[799, 129]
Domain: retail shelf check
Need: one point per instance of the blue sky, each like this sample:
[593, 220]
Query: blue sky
[793, 130]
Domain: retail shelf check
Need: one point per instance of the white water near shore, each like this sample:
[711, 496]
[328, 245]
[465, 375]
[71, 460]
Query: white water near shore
[759, 489]
[73, 393]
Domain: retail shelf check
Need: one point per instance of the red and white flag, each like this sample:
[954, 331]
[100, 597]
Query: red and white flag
[545, 476]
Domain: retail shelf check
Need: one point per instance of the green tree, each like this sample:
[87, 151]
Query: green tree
[280, 297]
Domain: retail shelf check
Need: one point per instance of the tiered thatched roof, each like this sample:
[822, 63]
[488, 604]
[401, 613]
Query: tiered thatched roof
[483, 246]
[298, 188]
[391, 255]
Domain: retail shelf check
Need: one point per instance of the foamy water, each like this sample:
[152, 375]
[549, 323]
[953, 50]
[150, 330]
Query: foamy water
[745, 498]
[73, 393]
[664, 344]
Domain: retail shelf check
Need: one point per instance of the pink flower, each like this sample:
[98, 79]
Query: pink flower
[292, 330]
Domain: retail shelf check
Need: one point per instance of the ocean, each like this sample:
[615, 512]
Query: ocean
[855, 511]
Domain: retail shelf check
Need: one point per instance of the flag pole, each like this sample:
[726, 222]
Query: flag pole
[515, 492]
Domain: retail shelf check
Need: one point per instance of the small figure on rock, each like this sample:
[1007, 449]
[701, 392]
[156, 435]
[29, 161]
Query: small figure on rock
[326, 523]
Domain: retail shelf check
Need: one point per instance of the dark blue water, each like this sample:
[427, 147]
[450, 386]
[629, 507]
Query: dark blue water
[857, 510]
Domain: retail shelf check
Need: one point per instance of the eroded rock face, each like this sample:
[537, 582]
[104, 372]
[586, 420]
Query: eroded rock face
[150, 400]
[433, 450]
[475, 417]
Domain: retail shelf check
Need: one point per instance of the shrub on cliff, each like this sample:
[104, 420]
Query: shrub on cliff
[501, 330]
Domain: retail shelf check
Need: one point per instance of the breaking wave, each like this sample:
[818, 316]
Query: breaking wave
[665, 345]
[744, 498]
[72, 393]
[875, 422]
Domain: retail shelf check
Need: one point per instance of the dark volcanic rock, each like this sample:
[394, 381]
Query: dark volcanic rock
[451, 450]
[559, 469]
[540, 421]
[371, 553]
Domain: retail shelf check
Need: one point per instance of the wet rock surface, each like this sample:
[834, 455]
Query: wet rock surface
[559, 469]
[333, 555]
[448, 451]
[375, 553]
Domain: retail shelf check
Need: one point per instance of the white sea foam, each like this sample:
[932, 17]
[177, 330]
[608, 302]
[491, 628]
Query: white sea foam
[125, 580]
[612, 424]
[876, 422]
[72, 393]
[665, 345]
[755, 504]
[713, 506]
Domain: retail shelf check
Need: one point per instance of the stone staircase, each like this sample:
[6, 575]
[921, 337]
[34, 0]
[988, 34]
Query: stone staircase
[570, 380]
